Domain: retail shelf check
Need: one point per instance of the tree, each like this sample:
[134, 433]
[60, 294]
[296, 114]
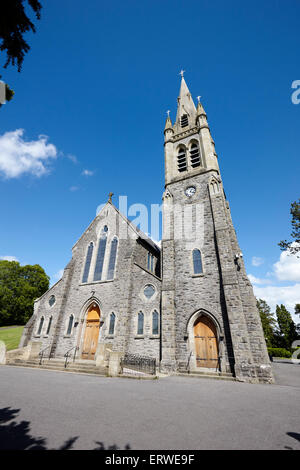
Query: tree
[268, 321]
[293, 246]
[14, 23]
[287, 327]
[19, 287]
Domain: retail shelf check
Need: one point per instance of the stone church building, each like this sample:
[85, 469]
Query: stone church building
[190, 304]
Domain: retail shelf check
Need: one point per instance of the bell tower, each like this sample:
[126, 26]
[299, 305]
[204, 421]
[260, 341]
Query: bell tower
[209, 317]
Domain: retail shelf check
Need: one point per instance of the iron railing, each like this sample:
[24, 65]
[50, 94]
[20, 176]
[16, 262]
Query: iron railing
[139, 363]
[67, 355]
[41, 354]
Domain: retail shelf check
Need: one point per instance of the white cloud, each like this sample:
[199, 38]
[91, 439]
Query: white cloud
[74, 188]
[18, 156]
[276, 295]
[287, 268]
[256, 261]
[87, 173]
[9, 258]
[256, 280]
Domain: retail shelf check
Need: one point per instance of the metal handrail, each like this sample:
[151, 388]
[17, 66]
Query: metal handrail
[41, 353]
[68, 354]
[188, 362]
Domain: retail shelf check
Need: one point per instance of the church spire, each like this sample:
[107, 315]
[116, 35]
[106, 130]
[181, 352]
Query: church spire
[186, 110]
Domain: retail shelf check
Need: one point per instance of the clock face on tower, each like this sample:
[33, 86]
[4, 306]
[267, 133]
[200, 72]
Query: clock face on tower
[190, 191]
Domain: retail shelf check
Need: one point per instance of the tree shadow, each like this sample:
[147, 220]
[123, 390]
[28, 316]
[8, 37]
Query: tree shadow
[16, 436]
[101, 446]
[295, 435]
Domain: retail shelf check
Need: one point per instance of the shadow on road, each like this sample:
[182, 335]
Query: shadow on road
[16, 436]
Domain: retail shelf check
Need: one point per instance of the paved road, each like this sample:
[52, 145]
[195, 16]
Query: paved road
[52, 410]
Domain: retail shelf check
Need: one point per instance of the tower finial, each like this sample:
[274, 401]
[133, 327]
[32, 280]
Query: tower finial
[198, 98]
[110, 196]
[181, 73]
[168, 113]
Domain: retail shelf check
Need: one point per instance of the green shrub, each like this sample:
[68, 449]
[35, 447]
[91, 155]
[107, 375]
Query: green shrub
[279, 352]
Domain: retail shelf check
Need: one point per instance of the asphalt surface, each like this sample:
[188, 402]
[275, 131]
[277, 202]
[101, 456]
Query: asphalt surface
[42, 409]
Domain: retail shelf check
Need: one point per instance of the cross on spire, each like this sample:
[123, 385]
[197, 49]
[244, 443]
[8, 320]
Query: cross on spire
[110, 196]
[168, 113]
[181, 73]
[198, 98]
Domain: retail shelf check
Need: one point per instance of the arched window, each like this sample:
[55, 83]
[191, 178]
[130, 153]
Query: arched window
[197, 262]
[112, 259]
[181, 160]
[52, 300]
[41, 326]
[49, 326]
[184, 120]
[100, 255]
[195, 155]
[214, 187]
[112, 324]
[88, 262]
[70, 325]
[140, 329]
[155, 326]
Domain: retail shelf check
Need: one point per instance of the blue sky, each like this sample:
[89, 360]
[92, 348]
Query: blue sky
[98, 81]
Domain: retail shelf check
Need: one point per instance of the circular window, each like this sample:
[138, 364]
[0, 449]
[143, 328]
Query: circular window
[149, 291]
[52, 300]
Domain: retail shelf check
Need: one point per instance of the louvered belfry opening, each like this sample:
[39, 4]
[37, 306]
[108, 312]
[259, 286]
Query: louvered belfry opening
[181, 160]
[195, 156]
[184, 120]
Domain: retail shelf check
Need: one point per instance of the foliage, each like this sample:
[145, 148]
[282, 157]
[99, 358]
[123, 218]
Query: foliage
[287, 328]
[279, 352]
[19, 287]
[293, 246]
[14, 23]
[9, 93]
[11, 337]
[267, 320]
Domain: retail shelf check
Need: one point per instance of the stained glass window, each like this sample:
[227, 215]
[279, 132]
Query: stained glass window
[197, 262]
[112, 324]
[70, 325]
[49, 326]
[140, 329]
[88, 262]
[52, 300]
[100, 255]
[149, 291]
[112, 259]
[40, 326]
[155, 327]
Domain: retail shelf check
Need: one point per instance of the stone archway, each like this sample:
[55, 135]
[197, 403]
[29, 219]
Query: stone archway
[91, 333]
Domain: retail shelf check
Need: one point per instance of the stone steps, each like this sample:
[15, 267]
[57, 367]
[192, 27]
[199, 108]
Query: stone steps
[208, 375]
[56, 364]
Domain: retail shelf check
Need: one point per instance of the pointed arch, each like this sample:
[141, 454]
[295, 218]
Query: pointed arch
[40, 328]
[101, 254]
[70, 325]
[49, 326]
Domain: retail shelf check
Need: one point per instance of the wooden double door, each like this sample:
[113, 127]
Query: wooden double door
[91, 334]
[206, 343]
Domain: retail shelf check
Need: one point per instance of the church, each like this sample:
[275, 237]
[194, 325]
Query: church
[189, 304]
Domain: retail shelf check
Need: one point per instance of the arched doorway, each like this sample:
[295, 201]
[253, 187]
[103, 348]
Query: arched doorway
[206, 343]
[91, 332]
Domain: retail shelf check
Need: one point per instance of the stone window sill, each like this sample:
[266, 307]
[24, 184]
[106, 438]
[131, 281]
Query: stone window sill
[139, 337]
[154, 336]
[97, 282]
[198, 275]
[110, 336]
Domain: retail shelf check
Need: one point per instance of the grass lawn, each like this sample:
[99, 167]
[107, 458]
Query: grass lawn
[11, 337]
